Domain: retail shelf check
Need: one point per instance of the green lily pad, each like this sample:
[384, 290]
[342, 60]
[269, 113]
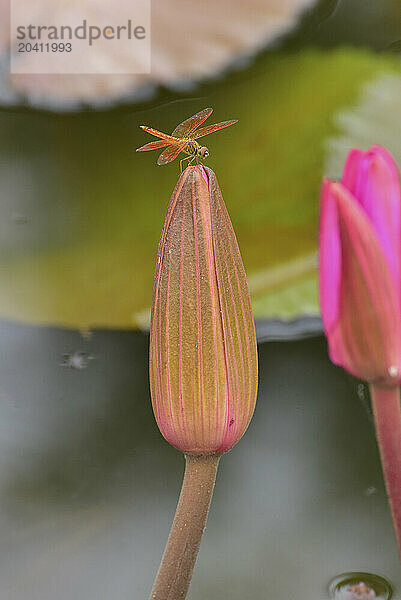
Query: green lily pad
[81, 213]
[374, 119]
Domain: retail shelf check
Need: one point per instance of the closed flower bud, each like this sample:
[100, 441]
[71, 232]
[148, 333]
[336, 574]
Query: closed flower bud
[360, 254]
[203, 357]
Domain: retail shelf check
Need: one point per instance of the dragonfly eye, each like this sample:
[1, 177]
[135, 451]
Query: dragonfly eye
[204, 152]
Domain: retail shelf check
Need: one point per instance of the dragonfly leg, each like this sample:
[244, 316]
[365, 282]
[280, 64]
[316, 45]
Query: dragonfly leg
[190, 158]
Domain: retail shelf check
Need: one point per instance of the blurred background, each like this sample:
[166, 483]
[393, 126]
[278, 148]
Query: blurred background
[88, 487]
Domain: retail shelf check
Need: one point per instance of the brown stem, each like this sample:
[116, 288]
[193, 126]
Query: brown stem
[387, 413]
[175, 572]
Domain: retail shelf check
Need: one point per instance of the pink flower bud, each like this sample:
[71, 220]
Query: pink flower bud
[203, 358]
[359, 267]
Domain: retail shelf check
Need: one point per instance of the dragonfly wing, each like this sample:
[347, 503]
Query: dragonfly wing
[153, 146]
[212, 128]
[164, 136]
[170, 153]
[187, 127]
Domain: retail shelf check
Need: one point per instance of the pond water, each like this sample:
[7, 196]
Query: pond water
[88, 487]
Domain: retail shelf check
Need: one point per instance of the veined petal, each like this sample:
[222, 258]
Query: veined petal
[368, 330]
[203, 366]
[237, 321]
[372, 178]
[329, 257]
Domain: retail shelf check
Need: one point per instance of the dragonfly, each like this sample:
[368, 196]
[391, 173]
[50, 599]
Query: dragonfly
[183, 138]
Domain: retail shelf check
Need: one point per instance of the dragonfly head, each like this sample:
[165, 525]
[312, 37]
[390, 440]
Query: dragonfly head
[203, 152]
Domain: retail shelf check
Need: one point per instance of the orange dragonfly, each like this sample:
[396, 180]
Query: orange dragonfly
[183, 138]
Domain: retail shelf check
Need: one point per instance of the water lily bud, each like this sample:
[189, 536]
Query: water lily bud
[359, 267]
[203, 357]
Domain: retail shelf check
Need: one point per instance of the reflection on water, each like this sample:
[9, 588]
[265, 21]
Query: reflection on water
[88, 487]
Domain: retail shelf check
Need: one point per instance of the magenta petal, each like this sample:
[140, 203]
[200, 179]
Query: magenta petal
[329, 257]
[372, 178]
[366, 339]
[352, 173]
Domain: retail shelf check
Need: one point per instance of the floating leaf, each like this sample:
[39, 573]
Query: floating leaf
[191, 41]
[375, 119]
[81, 213]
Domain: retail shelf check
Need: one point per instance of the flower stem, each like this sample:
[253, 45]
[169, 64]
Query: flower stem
[387, 413]
[175, 572]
